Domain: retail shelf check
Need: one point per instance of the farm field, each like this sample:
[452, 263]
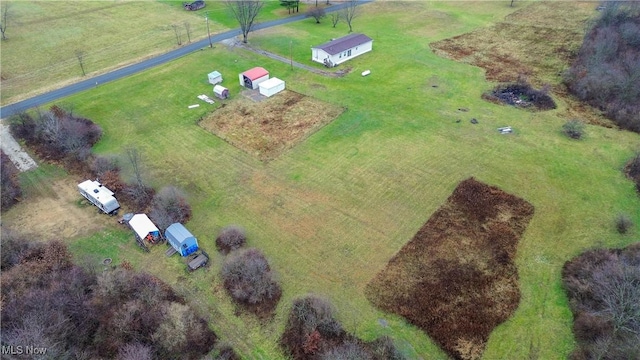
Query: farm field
[331, 212]
[110, 34]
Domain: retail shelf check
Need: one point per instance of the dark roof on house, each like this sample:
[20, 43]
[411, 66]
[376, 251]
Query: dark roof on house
[344, 43]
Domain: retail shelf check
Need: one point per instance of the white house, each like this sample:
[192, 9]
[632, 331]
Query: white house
[99, 196]
[215, 77]
[271, 87]
[340, 50]
[253, 77]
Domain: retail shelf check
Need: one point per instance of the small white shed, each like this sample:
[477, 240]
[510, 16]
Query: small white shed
[271, 87]
[221, 92]
[215, 78]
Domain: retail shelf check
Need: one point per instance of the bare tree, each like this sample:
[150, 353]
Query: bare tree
[335, 18]
[4, 15]
[245, 12]
[178, 33]
[187, 27]
[350, 12]
[139, 194]
[80, 56]
[316, 13]
[169, 206]
[135, 159]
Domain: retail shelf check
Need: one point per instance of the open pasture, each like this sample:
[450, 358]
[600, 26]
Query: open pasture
[331, 212]
[43, 38]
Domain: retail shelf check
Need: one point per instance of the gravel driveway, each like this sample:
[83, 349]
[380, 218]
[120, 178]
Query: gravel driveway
[10, 146]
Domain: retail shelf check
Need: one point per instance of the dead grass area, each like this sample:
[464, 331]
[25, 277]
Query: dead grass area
[268, 128]
[538, 41]
[456, 279]
[64, 214]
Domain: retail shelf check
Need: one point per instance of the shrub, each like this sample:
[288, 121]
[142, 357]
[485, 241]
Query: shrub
[55, 134]
[14, 247]
[137, 197]
[102, 165]
[312, 332]
[604, 296]
[573, 129]
[135, 351]
[623, 223]
[632, 169]
[10, 190]
[349, 350]
[169, 206]
[249, 279]
[231, 238]
[224, 351]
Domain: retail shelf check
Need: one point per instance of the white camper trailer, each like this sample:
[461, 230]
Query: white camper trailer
[99, 196]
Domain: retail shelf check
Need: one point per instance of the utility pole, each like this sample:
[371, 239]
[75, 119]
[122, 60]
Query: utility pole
[206, 15]
[291, 52]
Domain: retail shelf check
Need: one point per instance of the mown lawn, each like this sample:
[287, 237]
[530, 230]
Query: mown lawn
[332, 211]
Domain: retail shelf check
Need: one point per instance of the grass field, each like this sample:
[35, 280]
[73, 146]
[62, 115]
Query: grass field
[111, 34]
[332, 211]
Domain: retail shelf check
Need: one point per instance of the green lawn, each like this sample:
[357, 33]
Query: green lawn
[332, 211]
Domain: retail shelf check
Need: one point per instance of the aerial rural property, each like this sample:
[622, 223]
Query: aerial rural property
[320, 179]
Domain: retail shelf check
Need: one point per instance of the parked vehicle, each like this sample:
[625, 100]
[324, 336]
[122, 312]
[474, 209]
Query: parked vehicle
[99, 196]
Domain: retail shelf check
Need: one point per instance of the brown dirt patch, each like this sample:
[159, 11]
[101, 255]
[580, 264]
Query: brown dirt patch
[60, 214]
[268, 128]
[456, 279]
[539, 41]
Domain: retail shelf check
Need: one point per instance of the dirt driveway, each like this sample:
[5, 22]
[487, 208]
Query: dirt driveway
[57, 212]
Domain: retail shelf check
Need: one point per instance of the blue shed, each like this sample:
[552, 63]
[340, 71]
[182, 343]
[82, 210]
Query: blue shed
[181, 239]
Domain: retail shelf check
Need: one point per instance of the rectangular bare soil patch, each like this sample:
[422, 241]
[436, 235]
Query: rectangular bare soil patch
[268, 128]
[456, 279]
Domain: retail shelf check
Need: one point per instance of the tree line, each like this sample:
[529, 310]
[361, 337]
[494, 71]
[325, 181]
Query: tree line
[81, 312]
[606, 72]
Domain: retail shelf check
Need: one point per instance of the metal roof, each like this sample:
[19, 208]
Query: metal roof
[178, 232]
[255, 73]
[142, 225]
[271, 83]
[344, 43]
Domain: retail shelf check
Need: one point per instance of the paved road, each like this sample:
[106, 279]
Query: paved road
[20, 106]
